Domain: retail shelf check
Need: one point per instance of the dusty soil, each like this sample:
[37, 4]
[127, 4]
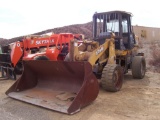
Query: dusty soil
[138, 99]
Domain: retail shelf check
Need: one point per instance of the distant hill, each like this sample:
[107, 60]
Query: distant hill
[85, 29]
[3, 41]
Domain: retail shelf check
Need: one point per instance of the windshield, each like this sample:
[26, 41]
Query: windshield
[112, 26]
[105, 23]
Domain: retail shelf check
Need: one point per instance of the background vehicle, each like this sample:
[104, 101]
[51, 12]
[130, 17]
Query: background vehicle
[67, 86]
[34, 47]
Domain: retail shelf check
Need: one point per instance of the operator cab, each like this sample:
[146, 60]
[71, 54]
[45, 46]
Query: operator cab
[118, 22]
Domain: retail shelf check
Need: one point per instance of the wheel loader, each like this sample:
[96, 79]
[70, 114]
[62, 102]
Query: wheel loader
[69, 85]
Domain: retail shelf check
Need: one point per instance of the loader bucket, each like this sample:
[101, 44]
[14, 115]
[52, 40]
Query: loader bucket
[57, 85]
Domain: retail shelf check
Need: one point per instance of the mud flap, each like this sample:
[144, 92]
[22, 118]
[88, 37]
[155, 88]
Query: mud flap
[57, 85]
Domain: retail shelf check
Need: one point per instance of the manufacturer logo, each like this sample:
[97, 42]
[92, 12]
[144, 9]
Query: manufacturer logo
[39, 42]
[99, 50]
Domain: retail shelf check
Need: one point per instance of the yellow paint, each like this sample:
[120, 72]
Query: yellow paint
[93, 57]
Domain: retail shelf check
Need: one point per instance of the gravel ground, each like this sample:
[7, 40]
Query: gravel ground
[138, 99]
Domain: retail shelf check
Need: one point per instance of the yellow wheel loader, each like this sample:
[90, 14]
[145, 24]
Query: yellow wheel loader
[67, 86]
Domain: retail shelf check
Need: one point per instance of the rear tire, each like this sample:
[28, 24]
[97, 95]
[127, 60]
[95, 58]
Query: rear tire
[112, 78]
[41, 58]
[138, 67]
[19, 68]
[67, 58]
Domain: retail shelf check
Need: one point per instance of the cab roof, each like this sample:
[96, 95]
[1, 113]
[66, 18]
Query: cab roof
[110, 12]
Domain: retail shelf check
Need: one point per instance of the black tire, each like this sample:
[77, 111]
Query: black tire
[41, 58]
[18, 68]
[138, 67]
[112, 78]
[12, 74]
[67, 57]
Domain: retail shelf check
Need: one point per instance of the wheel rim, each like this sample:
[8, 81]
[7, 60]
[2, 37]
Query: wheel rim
[142, 69]
[117, 79]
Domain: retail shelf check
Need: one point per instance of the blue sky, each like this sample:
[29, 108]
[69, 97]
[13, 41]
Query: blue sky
[22, 17]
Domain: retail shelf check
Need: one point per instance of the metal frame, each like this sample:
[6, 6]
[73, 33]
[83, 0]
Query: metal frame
[119, 35]
[7, 72]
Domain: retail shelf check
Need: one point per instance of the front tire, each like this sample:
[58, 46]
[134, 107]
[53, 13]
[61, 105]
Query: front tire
[112, 77]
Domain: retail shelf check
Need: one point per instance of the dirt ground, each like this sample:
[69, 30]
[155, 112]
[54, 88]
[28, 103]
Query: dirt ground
[138, 99]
